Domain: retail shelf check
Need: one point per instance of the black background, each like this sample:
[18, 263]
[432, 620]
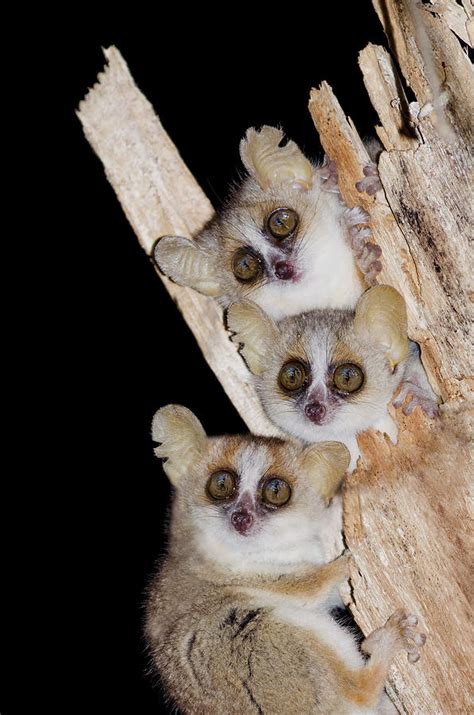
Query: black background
[113, 346]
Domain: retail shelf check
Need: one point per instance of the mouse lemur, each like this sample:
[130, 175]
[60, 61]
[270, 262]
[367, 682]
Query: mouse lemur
[286, 241]
[284, 238]
[328, 374]
[239, 615]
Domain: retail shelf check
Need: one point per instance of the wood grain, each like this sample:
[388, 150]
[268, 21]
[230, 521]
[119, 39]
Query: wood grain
[160, 196]
[406, 513]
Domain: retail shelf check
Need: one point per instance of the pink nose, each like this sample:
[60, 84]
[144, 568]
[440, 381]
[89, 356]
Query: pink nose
[284, 270]
[315, 411]
[241, 521]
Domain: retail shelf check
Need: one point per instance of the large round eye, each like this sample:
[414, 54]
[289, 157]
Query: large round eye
[246, 265]
[221, 485]
[348, 377]
[282, 222]
[276, 491]
[292, 375]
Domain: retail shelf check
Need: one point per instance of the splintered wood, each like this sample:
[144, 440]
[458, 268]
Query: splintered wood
[160, 196]
[406, 516]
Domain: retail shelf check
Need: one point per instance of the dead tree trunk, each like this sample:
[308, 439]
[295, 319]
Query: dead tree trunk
[406, 512]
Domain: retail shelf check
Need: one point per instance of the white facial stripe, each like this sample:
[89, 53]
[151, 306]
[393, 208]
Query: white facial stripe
[262, 246]
[319, 355]
[251, 235]
[251, 463]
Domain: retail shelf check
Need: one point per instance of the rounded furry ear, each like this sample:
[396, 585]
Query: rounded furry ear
[271, 164]
[381, 317]
[253, 331]
[182, 439]
[326, 463]
[187, 264]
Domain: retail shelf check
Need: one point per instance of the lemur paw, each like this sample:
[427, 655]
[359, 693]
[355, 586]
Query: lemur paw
[328, 175]
[371, 183]
[399, 633]
[369, 263]
[423, 397]
[367, 253]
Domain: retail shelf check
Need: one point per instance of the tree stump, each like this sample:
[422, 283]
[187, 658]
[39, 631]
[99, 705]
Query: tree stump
[406, 516]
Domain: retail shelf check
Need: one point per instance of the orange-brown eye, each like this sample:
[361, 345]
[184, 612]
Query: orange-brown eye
[292, 375]
[221, 485]
[282, 222]
[276, 492]
[348, 377]
[246, 265]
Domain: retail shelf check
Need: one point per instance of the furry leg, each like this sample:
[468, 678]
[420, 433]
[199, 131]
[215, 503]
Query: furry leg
[383, 644]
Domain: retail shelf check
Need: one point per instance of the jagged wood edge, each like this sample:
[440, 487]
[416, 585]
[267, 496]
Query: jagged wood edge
[411, 543]
[160, 196]
[174, 204]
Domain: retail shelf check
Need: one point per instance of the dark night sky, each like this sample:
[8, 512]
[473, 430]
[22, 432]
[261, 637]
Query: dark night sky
[126, 349]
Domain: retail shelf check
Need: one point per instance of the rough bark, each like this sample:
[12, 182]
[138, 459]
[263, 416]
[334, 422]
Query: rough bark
[406, 515]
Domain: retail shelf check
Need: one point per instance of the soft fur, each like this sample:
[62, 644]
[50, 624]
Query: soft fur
[322, 338]
[372, 337]
[320, 251]
[332, 257]
[241, 623]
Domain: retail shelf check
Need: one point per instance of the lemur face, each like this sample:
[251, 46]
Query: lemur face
[321, 379]
[248, 497]
[262, 241]
[279, 240]
[325, 373]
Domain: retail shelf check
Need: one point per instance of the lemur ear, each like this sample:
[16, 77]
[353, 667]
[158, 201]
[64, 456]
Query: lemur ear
[326, 463]
[187, 264]
[271, 164]
[182, 440]
[381, 317]
[253, 331]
